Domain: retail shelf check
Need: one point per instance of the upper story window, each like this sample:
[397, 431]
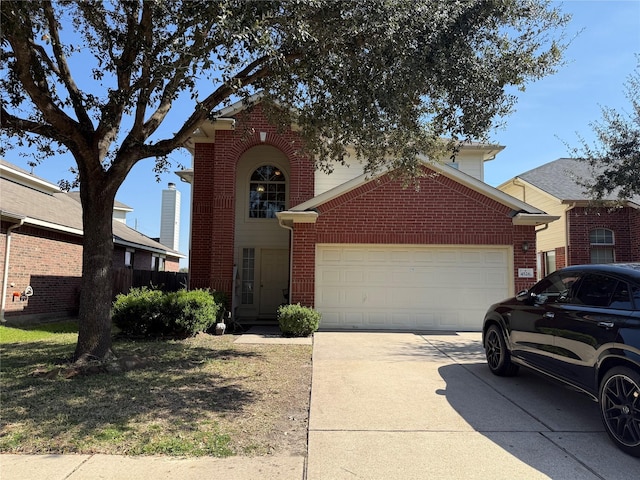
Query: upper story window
[602, 245]
[267, 192]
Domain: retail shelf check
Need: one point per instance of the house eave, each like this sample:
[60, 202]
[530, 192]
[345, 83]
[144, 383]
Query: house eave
[11, 217]
[603, 203]
[126, 243]
[289, 217]
[186, 175]
[53, 226]
[530, 219]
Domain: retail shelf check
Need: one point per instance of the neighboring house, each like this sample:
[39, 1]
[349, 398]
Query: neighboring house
[367, 253]
[41, 244]
[588, 231]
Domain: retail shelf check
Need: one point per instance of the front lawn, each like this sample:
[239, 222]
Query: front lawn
[200, 396]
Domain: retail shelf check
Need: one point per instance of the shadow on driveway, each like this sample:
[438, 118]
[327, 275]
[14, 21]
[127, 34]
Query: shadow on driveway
[539, 421]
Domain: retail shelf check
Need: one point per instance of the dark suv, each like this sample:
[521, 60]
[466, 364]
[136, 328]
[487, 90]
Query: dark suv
[579, 325]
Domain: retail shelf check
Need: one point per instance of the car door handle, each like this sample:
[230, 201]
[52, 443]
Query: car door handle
[549, 315]
[605, 324]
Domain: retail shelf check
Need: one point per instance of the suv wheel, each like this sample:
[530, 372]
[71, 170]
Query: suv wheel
[498, 356]
[619, 398]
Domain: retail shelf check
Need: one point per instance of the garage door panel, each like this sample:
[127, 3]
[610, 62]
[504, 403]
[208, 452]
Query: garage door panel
[409, 287]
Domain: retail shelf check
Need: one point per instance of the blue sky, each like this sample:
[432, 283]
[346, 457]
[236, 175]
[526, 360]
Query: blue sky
[549, 114]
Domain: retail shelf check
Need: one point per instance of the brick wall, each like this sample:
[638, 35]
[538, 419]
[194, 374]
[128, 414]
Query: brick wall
[442, 212]
[622, 221]
[51, 263]
[213, 193]
[561, 258]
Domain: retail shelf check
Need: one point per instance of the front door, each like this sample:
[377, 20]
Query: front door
[274, 278]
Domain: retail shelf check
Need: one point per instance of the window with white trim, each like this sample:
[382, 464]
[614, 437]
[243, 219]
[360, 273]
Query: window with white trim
[157, 263]
[128, 257]
[549, 262]
[267, 192]
[248, 273]
[602, 243]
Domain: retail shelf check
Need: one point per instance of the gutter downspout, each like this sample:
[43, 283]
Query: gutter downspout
[5, 274]
[516, 182]
[290, 257]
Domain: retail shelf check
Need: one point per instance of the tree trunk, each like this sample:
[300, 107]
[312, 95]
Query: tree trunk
[94, 334]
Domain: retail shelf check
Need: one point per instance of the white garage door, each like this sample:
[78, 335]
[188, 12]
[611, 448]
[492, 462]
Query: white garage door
[409, 287]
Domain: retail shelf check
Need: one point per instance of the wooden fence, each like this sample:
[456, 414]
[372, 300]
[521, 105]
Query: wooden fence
[126, 278]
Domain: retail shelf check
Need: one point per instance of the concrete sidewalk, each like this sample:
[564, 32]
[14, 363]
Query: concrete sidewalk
[399, 406]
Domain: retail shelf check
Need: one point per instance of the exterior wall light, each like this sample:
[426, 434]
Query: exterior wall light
[525, 246]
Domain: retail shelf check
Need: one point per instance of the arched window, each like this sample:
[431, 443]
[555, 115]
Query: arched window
[267, 192]
[602, 245]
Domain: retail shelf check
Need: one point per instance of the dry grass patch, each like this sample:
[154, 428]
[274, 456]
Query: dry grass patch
[200, 396]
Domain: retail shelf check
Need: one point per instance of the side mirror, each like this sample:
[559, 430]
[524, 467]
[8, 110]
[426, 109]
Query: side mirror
[523, 296]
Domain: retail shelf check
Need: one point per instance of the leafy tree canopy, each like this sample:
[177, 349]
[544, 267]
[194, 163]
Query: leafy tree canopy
[615, 155]
[388, 77]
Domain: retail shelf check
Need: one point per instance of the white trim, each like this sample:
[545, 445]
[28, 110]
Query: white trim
[533, 219]
[28, 180]
[297, 217]
[53, 226]
[141, 247]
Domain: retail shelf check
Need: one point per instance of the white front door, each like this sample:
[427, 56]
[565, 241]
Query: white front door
[274, 278]
[410, 287]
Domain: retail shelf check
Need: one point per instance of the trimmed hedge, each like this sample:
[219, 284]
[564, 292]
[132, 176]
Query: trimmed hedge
[298, 321]
[147, 312]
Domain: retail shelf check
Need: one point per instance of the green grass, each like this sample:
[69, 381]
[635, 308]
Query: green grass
[59, 331]
[199, 396]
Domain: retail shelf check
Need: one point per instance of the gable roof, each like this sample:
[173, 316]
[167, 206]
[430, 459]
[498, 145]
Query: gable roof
[523, 213]
[42, 204]
[561, 178]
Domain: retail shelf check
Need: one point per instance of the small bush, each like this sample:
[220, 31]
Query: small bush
[139, 312]
[298, 321]
[193, 311]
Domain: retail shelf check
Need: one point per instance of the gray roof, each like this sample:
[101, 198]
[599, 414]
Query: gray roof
[63, 211]
[561, 178]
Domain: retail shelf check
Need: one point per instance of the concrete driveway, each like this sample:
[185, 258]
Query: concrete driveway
[421, 406]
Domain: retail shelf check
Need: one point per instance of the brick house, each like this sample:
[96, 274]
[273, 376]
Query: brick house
[367, 253]
[587, 232]
[41, 246]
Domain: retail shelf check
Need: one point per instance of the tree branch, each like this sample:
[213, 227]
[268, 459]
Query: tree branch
[10, 121]
[19, 33]
[64, 72]
[113, 111]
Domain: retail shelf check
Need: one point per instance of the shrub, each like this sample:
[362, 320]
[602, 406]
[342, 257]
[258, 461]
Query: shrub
[140, 312]
[148, 312]
[193, 311]
[298, 321]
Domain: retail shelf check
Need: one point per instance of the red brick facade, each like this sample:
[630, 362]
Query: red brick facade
[51, 263]
[624, 222]
[213, 193]
[442, 212]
